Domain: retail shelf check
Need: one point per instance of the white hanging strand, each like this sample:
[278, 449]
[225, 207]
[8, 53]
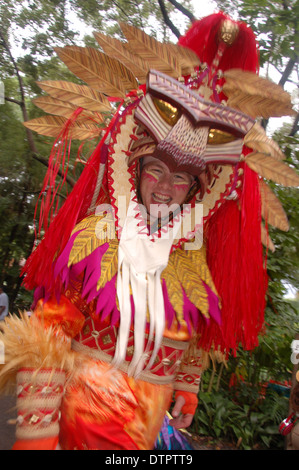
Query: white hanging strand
[140, 264]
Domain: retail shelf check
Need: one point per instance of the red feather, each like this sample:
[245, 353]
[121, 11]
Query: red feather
[203, 39]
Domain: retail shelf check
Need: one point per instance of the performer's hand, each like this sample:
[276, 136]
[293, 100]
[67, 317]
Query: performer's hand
[179, 420]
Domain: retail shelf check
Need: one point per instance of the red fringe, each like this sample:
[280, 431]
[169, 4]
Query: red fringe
[59, 159]
[38, 269]
[202, 38]
[235, 258]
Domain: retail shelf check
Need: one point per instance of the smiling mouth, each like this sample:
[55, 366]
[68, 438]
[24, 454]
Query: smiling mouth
[161, 198]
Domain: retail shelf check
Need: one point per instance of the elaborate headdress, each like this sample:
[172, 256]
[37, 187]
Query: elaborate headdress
[192, 105]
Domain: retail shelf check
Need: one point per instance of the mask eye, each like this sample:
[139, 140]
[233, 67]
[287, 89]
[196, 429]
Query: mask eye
[217, 137]
[169, 113]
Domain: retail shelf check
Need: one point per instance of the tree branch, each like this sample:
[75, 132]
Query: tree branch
[167, 20]
[295, 127]
[13, 100]
[288, 70]
[183, 10]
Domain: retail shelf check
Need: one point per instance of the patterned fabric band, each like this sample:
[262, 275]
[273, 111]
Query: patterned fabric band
[188, 378]
[168, 367]
[39, 395]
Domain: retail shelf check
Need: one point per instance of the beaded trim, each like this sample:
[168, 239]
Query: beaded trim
[39, 395]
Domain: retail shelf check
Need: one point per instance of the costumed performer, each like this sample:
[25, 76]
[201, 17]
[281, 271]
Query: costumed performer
[155, 260]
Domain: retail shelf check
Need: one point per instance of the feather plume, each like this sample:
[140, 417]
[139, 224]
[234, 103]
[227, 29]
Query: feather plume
[158, 55]
[79, 95]
[109, 264]
[92, 72]
[174, 288]
[257, 139]
[99, 230]
[115, 66]
[266, 240]
[187, 59]
[63, 108]
[51, 126]
[117, 49]
[272, 210]
[28, 345]
[256, 96]
[272, 169]
[190, 282]
[253, 83]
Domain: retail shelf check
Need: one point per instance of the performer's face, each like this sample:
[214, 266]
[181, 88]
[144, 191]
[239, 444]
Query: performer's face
[159, 187]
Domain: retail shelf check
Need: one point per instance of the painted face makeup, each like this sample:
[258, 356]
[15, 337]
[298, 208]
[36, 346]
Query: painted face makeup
[161, 189]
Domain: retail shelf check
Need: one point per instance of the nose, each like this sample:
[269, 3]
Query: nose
[165, 181]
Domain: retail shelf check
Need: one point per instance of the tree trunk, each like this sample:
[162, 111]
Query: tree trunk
[22, 105]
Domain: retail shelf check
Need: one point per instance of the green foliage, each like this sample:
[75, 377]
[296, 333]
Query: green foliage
[243, 410]
[249, 421]
[238, 403]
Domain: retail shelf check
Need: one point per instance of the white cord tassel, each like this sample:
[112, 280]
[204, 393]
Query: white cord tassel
[139, 292]
[123, 293]
[140, 264]
[157, 311]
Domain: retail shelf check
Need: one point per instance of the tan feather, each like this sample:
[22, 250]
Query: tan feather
[63, 108]
[255, 95]
[272, 210]
[257, 139]
[272, 169]
[28, 344]
[266, 240]
[92, 72]
[51, 126]
[46, 125]
[117, 67]
[78, 95]
[187, 59]
[158, 55]
[253, 83]
[257, 105]
[116, 49]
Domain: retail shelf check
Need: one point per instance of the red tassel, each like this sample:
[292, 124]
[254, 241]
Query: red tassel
[59, 159]
[235, 258]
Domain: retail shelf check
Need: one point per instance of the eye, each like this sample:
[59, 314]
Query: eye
[156, 170]
[169, 113]
[181, 179]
